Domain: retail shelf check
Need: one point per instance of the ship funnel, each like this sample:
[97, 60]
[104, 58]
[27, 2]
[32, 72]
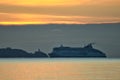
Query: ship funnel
[89, 45]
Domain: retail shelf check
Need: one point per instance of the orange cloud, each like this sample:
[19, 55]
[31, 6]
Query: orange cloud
[59, 11]
[42, 2]
[59, 2]
[64, 11]
[20, 19]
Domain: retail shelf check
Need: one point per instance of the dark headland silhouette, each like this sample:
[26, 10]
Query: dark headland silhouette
[17, 53]
[58, 52]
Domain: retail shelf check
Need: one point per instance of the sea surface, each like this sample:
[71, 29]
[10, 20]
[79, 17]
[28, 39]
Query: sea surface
[59, 69]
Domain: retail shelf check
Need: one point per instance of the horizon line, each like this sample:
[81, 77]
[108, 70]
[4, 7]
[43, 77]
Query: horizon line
[25, 24]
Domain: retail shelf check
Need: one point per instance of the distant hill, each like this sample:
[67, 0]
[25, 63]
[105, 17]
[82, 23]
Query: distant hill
[18, 53]
[87, 51]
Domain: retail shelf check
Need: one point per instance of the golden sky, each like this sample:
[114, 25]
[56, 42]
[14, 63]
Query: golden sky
[59, 11]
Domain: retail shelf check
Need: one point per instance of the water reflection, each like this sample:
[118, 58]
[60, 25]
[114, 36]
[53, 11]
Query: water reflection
[72, 69]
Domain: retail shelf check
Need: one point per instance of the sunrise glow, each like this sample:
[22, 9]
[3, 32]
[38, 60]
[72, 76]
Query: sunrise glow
[59, 11]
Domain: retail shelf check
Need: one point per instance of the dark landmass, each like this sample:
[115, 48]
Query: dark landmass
[58, 52]
[18, 53]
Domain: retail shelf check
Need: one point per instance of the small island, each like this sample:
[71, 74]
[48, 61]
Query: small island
[58, 52]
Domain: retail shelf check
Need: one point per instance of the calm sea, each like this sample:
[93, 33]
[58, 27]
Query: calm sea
[59, 69]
